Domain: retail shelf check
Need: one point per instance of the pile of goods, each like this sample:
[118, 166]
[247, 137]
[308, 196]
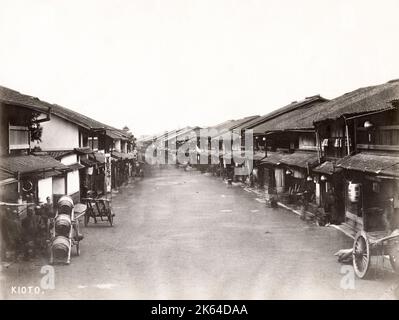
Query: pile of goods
[65, 233]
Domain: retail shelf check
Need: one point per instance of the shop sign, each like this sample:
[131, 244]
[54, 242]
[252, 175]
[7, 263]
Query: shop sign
[108, 172]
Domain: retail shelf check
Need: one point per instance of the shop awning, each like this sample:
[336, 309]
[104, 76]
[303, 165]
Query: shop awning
[48, 174]
[122, 155]
[59, 154]
[297, 159]
[75, 166]
[328, 168]
[241, 156]
[85, 150]
[30, 164]
[6, 178]
[273, 158]
[88, 162]
[98, 157]
[258, 156]
[372, 163]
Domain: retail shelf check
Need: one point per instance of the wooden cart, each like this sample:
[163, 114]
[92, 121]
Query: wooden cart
[98, 208]
[368, 244]
[71, 239]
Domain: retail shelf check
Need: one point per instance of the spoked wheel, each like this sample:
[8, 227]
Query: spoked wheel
[110, 217]
[394, 259]
[394, 256]
[87, 218]
[77, 249]
[361, 255]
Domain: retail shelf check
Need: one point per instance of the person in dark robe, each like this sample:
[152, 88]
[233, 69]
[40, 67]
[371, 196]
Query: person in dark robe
[29, 233]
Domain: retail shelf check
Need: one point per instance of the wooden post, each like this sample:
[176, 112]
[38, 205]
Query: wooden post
[348, 148]
[355, 135]
[318, 146]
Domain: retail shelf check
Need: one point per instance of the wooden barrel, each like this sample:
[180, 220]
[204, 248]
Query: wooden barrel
[63, 225]
[65, 205]
[60, 248]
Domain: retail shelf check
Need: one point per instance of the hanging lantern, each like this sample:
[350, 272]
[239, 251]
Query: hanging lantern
[368, 124]
[309, 178]
[323, 178]
[288, 172]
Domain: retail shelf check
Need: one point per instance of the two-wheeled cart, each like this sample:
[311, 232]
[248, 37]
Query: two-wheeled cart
[64, 232]
[98, 208]
[379, 243]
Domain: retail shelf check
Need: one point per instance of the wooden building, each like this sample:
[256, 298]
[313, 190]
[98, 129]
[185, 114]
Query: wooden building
[358, 141]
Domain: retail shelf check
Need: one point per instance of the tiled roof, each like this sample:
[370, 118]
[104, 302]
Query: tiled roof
[87, 122]
[30, 163]
[293, 120]
[181, 134]
[232, 125]
[59, 154]
[288, 109]
[373, 163]
[327, 167]
[363, 100]
[117, 134]
[286, 118]
[77, 118]
[9, 96]
[12, 97]
[249, 123]
[297, 159]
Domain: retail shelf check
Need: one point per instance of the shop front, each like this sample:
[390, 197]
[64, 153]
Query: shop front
[371, 192]
[288, 176]
[329, 190]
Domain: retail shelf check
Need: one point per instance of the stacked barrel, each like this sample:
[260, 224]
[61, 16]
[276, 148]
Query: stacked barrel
[61, 245]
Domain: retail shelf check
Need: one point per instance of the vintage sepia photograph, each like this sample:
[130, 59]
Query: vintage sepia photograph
[199, 150]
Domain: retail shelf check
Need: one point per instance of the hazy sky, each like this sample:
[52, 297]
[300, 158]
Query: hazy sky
[158, 65]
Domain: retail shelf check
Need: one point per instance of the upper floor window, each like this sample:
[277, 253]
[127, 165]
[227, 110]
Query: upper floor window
[19, 138]
[93, 143]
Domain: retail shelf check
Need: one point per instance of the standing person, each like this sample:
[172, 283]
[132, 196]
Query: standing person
[11, 232]
[306, 199]
[391, 217]
[230, 174]
[46, 213]
[29, 233]
[330, 206]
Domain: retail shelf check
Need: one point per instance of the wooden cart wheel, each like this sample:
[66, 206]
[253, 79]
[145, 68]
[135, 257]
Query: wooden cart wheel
[110, 217]
[78, 248]
[361, 255]
[394, 259]
[87, 218]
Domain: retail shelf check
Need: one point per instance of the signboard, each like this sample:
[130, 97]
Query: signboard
[107, 173]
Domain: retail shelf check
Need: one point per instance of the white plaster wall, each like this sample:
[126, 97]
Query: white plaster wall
[70, 159]
[124, 146]
[73, 182]
[59, 134]
[118, 145]
[58, 185]
[45, 189]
